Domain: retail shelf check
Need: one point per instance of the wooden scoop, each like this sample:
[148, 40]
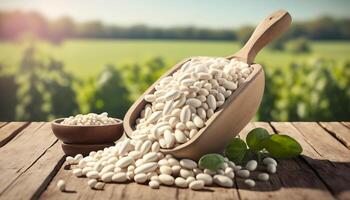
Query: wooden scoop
[238, 109]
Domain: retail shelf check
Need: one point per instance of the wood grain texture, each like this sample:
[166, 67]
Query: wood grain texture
[338, 130]
[322, 172]
[23, 151]
[347, 124]
[10, 130]
[35, 179]
[327, 156]
[284, 184]
[2, 124]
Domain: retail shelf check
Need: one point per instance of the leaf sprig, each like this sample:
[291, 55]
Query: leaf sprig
[258, 143]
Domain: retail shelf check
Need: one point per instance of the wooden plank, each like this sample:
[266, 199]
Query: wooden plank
[35, 179]
[23, 151]
[78, 188]
[347, 124]
[10, 130]
[2, 124]
[293, 180]
[210, 193]
[339, 131]
[137, 191]
[328, 158]
[325, 144]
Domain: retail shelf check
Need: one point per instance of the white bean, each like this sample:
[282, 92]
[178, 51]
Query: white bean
[119, 177]
[268, 160]
[243, 173]
[92, 174]
[196, 185]
[185, 173]
[124, 162]
[180, 136]
[251, 165]
[169, 139]
[263, 177]
[211, 102]
[150, 157]
[140, 178]
[176, 169]
[198, 122]
[168, 107]
[223, 181]
[154, 184]
[249, 182]
[92, 183]
[165, 170]
[166, 179]
[271, 168]
[107, 177]
[181, 182]
[61, 185]
[208, 180]
[187, 163]
[147, 167]
[146, 146]
[154, 117]
[185, 114]
[193, 102]
[99, 186]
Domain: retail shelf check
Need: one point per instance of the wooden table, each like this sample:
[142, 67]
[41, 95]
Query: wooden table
[31, 163]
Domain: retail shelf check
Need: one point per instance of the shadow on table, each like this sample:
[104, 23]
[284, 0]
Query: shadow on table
[312, 174]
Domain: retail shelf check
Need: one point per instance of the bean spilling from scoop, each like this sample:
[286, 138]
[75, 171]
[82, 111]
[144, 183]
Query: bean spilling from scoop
[176, 111]
[183, 102]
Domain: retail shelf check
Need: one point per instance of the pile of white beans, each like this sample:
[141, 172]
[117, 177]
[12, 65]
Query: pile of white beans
[144, 164]
[178, 109]
[91, 119]
[184, 101]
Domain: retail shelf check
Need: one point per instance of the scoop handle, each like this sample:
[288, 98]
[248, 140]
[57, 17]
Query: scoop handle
[269, 29]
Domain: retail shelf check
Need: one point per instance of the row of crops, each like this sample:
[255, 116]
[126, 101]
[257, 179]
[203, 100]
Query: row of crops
[43, 90]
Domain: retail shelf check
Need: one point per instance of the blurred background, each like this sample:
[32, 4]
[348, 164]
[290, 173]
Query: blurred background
[61, 58]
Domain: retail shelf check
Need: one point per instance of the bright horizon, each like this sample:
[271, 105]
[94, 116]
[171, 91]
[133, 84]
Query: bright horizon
[204, 13]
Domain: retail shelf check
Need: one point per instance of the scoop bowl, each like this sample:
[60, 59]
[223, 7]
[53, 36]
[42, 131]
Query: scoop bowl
[237, 110]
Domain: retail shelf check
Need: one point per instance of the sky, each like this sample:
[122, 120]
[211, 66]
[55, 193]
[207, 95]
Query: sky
[165, 13]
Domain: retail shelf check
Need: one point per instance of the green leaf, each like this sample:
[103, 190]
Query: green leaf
[256, 138]
[211, 161]
[236, 150]
[283, 146]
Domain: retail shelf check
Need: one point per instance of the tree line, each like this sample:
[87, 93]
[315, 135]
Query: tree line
[17, 24]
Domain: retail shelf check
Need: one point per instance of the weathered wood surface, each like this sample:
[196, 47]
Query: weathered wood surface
[10, 130]
[340, 131]
[31, 163]
[329, 158]
[2, 124]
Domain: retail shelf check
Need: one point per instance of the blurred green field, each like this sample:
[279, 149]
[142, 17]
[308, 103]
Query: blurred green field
[85, 58]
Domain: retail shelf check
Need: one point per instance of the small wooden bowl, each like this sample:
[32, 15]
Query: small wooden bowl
[84, 149]
[102, 134]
